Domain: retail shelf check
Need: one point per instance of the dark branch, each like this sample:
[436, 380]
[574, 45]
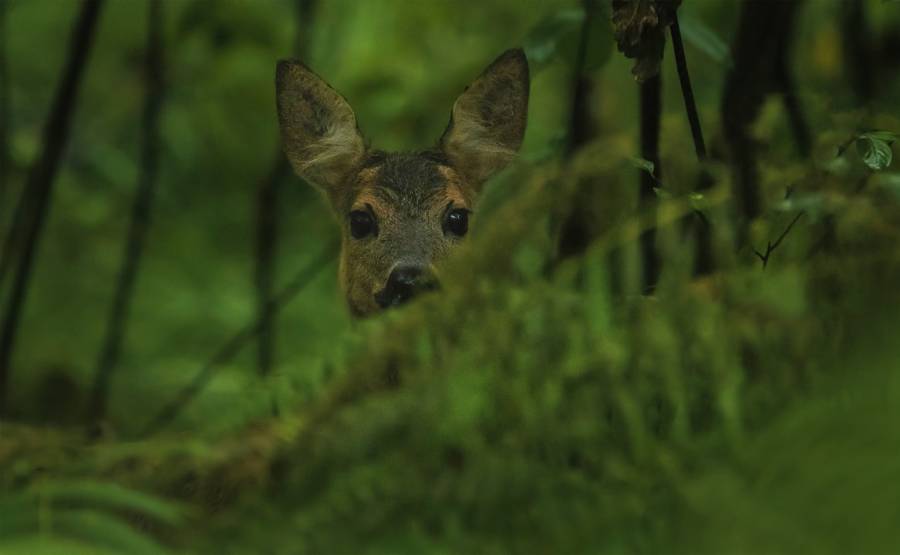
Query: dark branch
[234, 345]
[651, 119]
[698, 222]
[687, 92]
[41, 178]
[117, 324]
[785, 82]
[266, 246]
[579, 119]
[6, 255]
[5, 125]
[575, 231]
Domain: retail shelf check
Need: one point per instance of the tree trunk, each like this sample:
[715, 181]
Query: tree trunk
[267, 216]
[650, 116]
[117, 324]
[39, 184]
[761, 67]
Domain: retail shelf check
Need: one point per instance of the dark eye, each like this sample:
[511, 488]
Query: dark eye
[362, 224]
[457, 222]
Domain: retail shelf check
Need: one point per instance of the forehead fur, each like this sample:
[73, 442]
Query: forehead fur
[408, 180]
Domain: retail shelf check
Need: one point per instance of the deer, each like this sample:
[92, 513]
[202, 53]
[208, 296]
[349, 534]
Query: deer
[400, 213]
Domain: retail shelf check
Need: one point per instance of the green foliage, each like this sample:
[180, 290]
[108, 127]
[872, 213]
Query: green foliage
[554, 37]
[875, 149]
[557, 36]
[704, 39]
[534, 405]
[82, 517]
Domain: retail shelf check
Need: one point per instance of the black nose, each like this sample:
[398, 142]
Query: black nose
[403, 284]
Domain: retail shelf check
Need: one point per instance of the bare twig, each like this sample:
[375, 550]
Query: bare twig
[770, 247]
[42, 177]
[117, 324]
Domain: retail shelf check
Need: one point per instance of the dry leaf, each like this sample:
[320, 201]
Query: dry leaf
[640, 31]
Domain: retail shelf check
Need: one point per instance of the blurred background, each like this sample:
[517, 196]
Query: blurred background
[228, 226]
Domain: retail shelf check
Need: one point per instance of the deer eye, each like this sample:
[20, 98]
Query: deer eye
[457, 222]
[362, 224]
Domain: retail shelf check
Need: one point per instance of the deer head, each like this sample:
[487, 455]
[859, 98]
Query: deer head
[400, 213]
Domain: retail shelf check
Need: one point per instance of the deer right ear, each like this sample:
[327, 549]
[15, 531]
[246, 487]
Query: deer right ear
[487, 123]
[318, 127]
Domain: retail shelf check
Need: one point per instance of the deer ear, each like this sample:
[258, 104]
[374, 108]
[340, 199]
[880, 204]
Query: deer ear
[487, 123]
[318, 127]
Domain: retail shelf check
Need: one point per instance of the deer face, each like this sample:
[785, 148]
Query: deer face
[400, 213]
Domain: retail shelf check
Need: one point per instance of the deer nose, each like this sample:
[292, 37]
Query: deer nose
[403, 284]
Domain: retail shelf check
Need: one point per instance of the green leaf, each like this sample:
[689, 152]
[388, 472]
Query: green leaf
[556, 37]
[814, 204]
[886, 136]
[662, 193]
[42, 545]
[876, 153]
[104, 530]
[698, 202]
[643, 164]
[113, 496]
[553, 37]
[639, 27]
[704, 39]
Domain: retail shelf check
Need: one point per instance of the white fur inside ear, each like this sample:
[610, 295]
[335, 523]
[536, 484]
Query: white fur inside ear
[472, 140]
[487, 124]
[473, 133]
[340, 144]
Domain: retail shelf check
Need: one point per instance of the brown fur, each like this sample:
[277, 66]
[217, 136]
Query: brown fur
[409, 194]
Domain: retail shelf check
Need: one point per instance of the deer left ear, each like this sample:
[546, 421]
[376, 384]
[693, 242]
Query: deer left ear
[488, 120]
[318, 127]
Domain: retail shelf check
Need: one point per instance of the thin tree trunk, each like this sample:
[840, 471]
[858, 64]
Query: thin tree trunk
[574, 234]
[117, 324]
[784, 81]
[5, 126]
[858, 50]
[13, 232]
[651, 116]
[267, 217]
[580, 131]
[41, 179]
[761, 68]
[6, 253]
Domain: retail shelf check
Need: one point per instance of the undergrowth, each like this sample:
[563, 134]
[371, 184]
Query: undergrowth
[540, 405]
